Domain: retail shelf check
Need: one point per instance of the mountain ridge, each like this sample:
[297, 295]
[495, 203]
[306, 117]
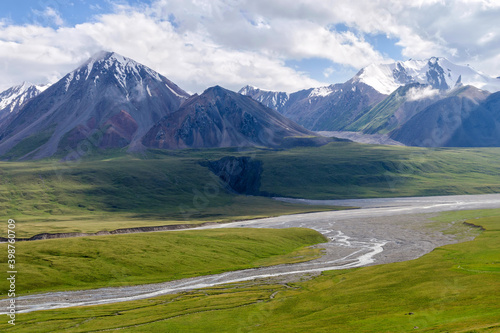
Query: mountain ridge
[15, 97]
[437, 72]
[381, 99]
[222, 118]
[108, 93]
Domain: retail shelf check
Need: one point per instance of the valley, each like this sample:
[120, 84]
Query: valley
[140, 206]
[108, 192]
[368, 236]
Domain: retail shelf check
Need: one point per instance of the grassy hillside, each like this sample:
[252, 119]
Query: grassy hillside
[377, 119]
[118, 260]
[349, 170]
[116, 190]
[452, 289]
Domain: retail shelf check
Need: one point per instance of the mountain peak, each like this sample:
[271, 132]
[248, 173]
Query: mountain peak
[101, 55]
[108, 59]
[15, 97]
[123, 71]
[437, 72]
[111, 55]
[434, 60]
[246, 90]
[217, 90]
[222, 118]
[109, 93]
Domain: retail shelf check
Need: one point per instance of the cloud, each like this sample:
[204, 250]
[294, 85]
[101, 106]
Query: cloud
[199, 43]
[417, 93]
[328, 72]
[48, 16]
[277, 28]
[465, 31]
[191, 60]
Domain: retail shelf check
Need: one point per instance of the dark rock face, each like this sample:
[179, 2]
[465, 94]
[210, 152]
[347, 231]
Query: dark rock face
[435, 75]
[109, 93]
[401, 75]
[239, 174]
[221, 118]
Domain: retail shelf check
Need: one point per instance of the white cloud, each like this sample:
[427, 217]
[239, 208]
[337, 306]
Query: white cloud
[198, 43]
[328, 72]
[48, 16]
[191, 60]
[417, 93]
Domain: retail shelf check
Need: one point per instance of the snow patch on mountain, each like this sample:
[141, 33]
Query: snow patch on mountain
[175, 92]
[379, 77]
[272, 99]
[15, 97]
[322, 91]
[439, 73]
[248, 89]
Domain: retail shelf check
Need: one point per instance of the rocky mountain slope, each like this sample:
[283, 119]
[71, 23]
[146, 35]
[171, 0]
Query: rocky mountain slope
[222, 118]
[330, 108]
[405, 101]
[397, 109]
[110, 98]
[467, 118]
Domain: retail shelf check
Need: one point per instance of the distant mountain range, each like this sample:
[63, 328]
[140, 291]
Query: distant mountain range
[116, 102]
[331, 108]
[120, 103]
[384, 99]
[439, 73]
[463, 117]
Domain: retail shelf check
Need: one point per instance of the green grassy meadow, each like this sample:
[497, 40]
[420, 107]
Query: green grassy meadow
[452, 289]
[131, 259]
[107, 191]
[121, 191]
[351, 170]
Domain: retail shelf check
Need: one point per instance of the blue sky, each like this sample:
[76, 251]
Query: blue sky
[273, 44]
[73, 12]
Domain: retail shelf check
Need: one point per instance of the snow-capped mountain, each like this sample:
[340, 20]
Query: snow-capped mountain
[329, 108]
[280, 101]
[439, 73]
[12, 99]
[324, 91]
[276, 100]
[380, 99]
[111, 95]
